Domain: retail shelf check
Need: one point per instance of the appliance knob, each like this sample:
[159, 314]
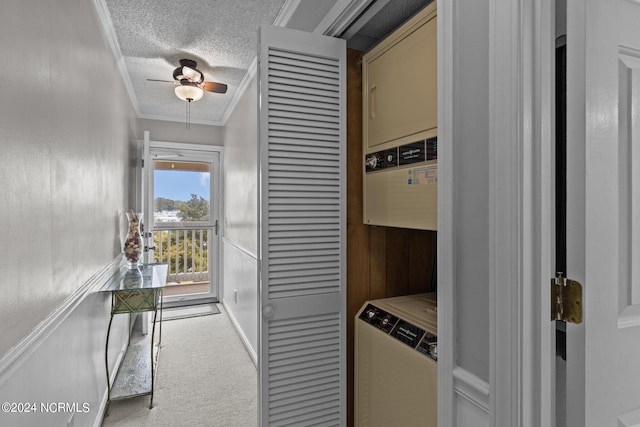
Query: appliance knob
[433, 349]
[371, 314]
[372, 161]
[385, 321]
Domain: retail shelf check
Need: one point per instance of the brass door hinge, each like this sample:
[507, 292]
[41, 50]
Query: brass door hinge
[566, 299]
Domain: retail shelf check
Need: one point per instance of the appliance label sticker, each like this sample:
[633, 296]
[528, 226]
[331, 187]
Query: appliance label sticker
[427, 174]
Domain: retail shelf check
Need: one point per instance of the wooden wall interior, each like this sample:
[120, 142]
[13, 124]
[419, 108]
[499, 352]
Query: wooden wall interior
[382, 262]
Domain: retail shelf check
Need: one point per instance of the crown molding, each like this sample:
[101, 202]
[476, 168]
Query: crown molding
[285, 14]
[242, 88]
[341, 15]
[110, 34]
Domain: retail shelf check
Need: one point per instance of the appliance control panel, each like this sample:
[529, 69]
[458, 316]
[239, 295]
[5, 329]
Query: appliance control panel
[422, 341]
[378, 318]
[429, 346]
[415, 152]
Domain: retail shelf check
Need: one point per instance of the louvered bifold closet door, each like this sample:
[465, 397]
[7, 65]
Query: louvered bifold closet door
[302, 229]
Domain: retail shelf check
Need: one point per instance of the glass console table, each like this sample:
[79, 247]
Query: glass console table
[135, 291]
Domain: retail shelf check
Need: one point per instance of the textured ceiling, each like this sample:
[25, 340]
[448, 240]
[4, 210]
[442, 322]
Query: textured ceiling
[221, 35]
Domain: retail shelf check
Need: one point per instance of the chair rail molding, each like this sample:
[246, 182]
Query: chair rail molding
[471, 388]
[18, 354]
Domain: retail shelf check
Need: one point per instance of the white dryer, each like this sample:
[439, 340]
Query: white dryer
[396, 353]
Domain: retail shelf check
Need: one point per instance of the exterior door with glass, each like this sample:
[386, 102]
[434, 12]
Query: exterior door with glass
[182, 229]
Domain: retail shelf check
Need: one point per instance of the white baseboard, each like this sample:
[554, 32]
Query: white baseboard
[243, 337]
[103, 402]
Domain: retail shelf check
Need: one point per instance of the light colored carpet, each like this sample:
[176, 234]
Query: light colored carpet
[205, 378]
[189, 311]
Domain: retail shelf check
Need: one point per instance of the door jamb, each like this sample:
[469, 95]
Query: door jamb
[445, 242]
[522, 61]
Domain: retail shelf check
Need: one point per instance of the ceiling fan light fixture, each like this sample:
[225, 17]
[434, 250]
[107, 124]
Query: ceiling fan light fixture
[192, 74]
[189, 92]
[187, 70]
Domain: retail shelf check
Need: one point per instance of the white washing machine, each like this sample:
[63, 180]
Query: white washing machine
[396, 353]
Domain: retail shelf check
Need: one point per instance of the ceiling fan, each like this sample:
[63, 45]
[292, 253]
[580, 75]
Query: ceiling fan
[189, 81]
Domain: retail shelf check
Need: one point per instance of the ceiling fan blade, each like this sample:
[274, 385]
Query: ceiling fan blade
[215, 87]
[163, 81]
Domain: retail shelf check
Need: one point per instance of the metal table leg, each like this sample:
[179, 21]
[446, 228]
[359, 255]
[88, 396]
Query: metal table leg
[106, 366]
[153, 333]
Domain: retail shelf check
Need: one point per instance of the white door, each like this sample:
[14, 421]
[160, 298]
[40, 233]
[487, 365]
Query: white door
[302, 238]
[181, 219]
[603, 211]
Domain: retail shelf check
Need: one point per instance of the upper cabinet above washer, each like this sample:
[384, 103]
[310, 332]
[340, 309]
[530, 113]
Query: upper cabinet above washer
[400, 82]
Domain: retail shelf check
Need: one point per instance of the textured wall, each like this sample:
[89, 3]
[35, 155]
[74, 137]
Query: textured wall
[66, 132]
[240, 249]
[67, 366]
[240, 277]
[241, 172]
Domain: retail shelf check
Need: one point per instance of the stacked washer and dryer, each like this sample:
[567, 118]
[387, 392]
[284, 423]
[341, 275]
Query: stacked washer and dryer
[396, 345]
[396, 353]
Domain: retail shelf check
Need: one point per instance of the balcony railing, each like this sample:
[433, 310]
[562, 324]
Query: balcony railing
[185, 250]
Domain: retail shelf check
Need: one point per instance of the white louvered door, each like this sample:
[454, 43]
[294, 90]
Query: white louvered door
[302, 229]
